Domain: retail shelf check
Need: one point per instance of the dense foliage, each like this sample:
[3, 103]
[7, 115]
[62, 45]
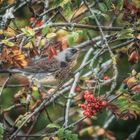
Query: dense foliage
[98, 98]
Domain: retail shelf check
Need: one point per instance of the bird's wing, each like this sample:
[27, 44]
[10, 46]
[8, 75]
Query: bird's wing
[43, 66]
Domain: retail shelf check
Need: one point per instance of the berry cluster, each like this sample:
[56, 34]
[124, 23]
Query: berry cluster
[92, 105]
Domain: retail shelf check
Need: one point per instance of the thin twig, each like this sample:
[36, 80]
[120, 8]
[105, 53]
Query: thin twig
[4, 84]
[115, 71]
[72, 91]
[108, 122]
[133, 135]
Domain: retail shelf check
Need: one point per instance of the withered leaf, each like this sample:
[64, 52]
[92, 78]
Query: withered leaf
[13, 57]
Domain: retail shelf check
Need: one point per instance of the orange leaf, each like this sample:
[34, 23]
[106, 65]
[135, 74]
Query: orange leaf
[79, 11]
[50, 53]
[64, 42]
[54, 52]
[134, 57]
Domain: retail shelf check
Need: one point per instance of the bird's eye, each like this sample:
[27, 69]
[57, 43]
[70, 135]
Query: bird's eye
[63, 64]
[73, 51]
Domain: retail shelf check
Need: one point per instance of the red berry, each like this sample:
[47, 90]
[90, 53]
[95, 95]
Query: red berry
[83, 106]
[88, 99]
[106, 78]
[94, 112]
[97, 99]
[86, 95]
[92, 104]
[91, 97]
[87, 114]
[103, 103]
[96, 106]
[89, 105]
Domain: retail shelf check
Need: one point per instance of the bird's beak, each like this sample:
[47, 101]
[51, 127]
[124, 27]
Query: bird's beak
[76, 50]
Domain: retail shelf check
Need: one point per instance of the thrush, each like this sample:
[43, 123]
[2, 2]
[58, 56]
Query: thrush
[51, 71]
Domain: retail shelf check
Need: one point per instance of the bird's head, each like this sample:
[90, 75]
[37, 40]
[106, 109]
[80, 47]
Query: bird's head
[68, 55]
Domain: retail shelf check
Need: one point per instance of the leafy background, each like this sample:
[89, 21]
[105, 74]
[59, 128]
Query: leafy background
[110, 13]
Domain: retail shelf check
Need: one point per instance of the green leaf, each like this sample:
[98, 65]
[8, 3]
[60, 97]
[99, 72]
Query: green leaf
[136, 97]
[45, 30]
[120, 4]
[28, 31]
[35, 94]
[126, 34]
[64, 3]
[1, 131]
[60, 133]
[68, 10]
[66, 134]
[25, 31]
[74, 137]
[72, 38]
[52, 125]
[102, 6]
[99, 14]
[108, 3]
[78, 2]
[8, 43]
[57, 2]
[122, 103]
[122, 89]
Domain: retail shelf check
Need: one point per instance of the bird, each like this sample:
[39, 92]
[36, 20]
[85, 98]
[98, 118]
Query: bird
[51, 71]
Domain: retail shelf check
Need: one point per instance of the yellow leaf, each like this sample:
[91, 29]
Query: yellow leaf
[42, 42]
[1, 32]
[138, 76]
[79, 11]
[134, 72]
[132, 79]
[89, 130]
[61, 33]
[9, 32]
[28, 45]
[21, 57]
[34, 88]
[8, 43]
[30, 30]
[51, 35]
